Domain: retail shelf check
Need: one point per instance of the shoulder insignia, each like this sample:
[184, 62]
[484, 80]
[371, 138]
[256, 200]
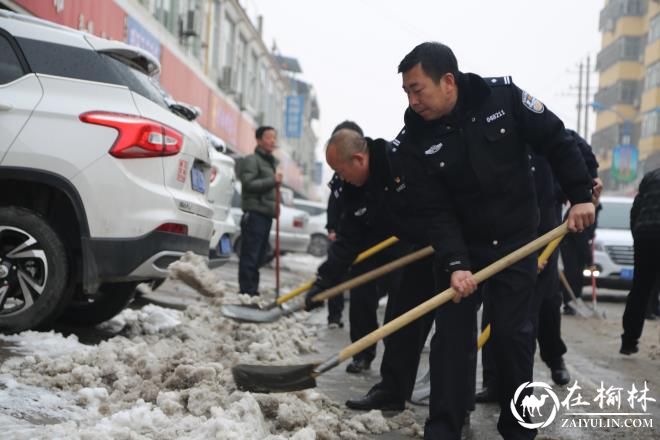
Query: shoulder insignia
[532, 103]
[498, 80]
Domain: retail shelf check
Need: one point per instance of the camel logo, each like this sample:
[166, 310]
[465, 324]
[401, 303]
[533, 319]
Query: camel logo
[532, 405]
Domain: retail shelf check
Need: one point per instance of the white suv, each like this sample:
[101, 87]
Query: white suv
[220, 193]
[613, 246]
[318, 244]
[102, 185]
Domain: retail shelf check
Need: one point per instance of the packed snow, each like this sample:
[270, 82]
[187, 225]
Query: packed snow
[167, 375]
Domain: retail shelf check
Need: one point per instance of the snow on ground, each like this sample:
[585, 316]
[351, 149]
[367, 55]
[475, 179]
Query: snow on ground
[167, 375]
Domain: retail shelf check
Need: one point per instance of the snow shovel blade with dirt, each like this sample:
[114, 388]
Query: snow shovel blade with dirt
[280, 378]
[246, 314]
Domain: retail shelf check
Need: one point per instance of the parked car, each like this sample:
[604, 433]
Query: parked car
[318, 244]
[103, 186]
[220, 194]
[294, 233]
[613, 245]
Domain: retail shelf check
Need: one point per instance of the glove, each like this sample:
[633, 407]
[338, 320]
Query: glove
[309, 304]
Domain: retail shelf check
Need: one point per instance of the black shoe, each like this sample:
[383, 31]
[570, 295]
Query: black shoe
[377, 399]
[569, 310]
[487, 395]
[358, 366]
[335, 323]
[560, 374]
[628, 348]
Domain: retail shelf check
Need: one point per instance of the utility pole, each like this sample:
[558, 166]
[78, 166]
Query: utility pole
[579, 103]
[586, 97]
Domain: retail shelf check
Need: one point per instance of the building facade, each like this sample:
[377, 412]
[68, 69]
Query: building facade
[627, 135]
[213, 57]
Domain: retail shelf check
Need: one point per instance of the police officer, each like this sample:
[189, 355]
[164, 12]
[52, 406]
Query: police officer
[376, 206]
[474, 135]
[547, 297]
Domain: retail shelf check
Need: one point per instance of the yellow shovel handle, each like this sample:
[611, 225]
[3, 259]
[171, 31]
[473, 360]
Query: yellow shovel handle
[361, 257]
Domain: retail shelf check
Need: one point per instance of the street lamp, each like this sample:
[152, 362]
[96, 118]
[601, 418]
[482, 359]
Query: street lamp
[624, 155]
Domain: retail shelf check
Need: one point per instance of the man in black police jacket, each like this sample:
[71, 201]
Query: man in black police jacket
[458, 177]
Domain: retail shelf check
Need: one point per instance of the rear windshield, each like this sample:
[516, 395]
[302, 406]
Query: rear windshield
[137, 81]
[614, 215]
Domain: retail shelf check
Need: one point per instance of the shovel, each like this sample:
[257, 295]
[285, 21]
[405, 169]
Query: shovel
[246, 314]
[422, 390]
[283, 378]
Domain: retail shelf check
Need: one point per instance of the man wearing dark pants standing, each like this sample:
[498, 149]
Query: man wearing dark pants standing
[645, 227]
[259, 178]
[474, 134]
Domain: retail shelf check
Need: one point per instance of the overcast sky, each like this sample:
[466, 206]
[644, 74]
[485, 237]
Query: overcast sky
[350, 49]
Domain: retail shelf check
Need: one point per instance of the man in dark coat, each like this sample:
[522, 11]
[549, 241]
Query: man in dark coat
[645, 227]
[458, 177]
[259, 177]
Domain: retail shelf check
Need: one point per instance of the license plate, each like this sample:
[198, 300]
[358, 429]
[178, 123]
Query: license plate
[225, 246]
[198, 181]
[627, 274]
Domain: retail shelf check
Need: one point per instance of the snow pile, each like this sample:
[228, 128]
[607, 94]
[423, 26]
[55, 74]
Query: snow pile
[193, 270]
[167, 375]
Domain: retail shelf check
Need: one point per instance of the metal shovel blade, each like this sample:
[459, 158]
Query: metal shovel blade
[244, 313]
[273, 378]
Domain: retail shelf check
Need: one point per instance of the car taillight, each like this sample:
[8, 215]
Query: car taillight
[173, 228]
[214, 174]
[298, 223]
[138, 136]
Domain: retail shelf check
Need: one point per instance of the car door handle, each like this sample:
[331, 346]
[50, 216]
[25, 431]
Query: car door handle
[4, 106]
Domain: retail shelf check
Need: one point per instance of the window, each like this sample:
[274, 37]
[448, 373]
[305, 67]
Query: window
[240, 63]
[227, 38]
[10, 66]
[622, 49]
[652, 79]
[137, 81]
[67, 61]
[654, 29]
[614, 215]
[650, 123]
[252, 80]
[616, 9]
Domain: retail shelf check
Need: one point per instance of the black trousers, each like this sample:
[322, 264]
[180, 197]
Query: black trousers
[363, 307]
[403, 348]
[546, 317]
[255, 230]
[336, 308]
[508, 297]
[646, 275]
[576, 255]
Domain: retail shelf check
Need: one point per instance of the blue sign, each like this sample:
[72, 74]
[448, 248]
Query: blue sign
[140, 37]
[624, 163]
[293, 120]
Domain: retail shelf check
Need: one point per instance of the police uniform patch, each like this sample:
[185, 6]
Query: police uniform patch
[433, 149]
[532, 103]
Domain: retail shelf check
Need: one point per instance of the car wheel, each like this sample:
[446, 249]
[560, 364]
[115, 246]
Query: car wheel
[34, 271]
[89, 310]
[318, 245]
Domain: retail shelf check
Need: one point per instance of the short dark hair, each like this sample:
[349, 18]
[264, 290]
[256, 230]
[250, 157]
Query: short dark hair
[350, 125]
[261, 130]
[436, 58]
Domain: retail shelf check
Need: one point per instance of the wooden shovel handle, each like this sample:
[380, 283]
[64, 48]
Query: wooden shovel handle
[448, 294]
[366, 277]
[363, 256]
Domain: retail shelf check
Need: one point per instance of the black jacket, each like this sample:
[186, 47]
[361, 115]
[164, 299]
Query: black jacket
[384, 206]
[645, 212]
[335, 204]
[479, 157]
